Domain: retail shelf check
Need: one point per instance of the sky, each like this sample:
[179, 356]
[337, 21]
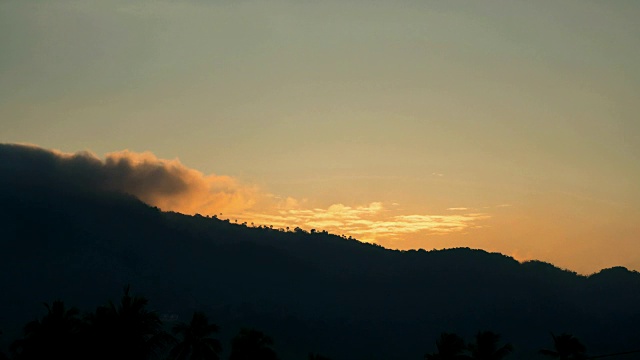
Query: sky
[510, 126]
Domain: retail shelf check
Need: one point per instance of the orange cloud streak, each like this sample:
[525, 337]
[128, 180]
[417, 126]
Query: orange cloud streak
[373, 222]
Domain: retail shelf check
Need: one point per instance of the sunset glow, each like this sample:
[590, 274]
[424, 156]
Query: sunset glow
[509, 126]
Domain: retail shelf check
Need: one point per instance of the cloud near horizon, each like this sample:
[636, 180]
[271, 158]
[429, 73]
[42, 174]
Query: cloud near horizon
[371, 223]
[172, 186]
[167, 184]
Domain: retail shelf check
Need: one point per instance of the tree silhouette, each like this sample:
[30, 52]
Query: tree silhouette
[566, 347]
[126, 331]
[450, 347]
[486, 347]
[196, 343]
[251, 344]
[56, 335]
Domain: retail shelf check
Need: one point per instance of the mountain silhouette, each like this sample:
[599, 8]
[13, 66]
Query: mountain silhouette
[309, 291]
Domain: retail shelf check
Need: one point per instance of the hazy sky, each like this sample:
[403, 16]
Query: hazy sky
[510, 126]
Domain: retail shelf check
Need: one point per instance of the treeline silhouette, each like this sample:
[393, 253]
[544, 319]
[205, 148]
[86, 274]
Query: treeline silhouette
[130, 330]
[310, 290]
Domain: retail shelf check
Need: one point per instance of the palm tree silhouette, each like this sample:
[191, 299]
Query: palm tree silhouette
[196, 343]
[54, 336]
[251, 344]
[127, 330]
[486, 347]
[566, 347]
[450, 347]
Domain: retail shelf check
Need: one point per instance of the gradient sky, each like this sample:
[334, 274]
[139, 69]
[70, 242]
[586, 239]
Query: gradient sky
[510, 126]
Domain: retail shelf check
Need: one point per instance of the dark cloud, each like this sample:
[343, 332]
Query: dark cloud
[167, 184]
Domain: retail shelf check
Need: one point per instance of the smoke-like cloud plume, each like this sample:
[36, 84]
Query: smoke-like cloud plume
[167, 184]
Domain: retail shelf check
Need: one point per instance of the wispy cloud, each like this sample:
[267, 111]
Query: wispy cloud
[372, 222]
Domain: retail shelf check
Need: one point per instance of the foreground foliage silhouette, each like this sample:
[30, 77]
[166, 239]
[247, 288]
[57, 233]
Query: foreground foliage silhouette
[450, 347]
[566, 347]
[56, 335]
[127, 330]
[195, 342]
[251, 344]
[486, 347]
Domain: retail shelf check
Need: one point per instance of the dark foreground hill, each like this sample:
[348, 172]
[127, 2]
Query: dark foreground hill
[309, 291]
